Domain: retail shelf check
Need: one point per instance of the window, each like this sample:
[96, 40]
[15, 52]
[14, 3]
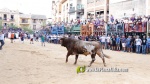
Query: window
[24, 20]
[12, 17]
[34, 27]
[67, 6]
[5, 24]
[64, 8]
[5, 16]
[34, 20]
[11, 24]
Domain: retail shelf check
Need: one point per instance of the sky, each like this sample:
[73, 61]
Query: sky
[42, 7]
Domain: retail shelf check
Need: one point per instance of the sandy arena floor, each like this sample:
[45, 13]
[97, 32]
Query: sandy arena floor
[33, 64]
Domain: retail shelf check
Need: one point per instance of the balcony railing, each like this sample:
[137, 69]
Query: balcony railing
[80, 6]
[5, 19]
[24, 22]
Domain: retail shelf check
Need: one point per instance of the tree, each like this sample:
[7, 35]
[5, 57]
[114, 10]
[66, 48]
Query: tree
[28, 30]
[43, 24]
[13, 26]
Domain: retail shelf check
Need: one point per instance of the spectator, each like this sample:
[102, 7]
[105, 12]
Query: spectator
[103, 41]
[1, 40]
[128, 44]
[118, 43]
[113, 40]
[133, 44]
[144, 41]
[108, 42]
[138, 44]
[123, 42]
[148, 44]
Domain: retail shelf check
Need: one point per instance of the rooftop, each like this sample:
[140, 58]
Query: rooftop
[33, 16]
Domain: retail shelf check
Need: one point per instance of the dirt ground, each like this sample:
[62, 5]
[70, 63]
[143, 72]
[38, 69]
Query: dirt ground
[33, 64]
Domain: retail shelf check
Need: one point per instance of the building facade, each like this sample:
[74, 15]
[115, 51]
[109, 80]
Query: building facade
[68, 10]
[9, 17]
[97, 9]
[38, 21]
[25, 20]
[127, 8]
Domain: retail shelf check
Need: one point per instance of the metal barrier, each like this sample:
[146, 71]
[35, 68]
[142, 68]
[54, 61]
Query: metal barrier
[57, 30]
[115, 29]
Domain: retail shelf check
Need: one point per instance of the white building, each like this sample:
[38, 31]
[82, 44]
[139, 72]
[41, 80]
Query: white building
[126, 8]
[72, 10]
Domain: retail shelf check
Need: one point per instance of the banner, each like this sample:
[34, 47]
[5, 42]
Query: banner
[136, 27]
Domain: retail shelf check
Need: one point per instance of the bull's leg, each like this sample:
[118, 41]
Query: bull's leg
[76, 58]
[103, 59]
[93, 59]
[68, 54]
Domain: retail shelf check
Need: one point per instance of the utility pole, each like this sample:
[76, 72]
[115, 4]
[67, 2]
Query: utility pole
[105, 15]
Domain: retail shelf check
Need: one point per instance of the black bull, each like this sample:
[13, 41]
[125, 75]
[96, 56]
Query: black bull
[76, 47]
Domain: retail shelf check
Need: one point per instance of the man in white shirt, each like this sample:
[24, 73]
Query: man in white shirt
[108, 42]
[138, 44]
[103, 40]
[1, 40]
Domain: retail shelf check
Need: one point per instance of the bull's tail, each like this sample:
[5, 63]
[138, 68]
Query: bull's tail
[103, 53]
[106, 56]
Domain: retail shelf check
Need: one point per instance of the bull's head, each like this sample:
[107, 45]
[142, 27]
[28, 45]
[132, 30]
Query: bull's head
[62, 41]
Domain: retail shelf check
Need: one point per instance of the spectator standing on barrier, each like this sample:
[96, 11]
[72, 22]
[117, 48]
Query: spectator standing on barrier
[111, 18]
[138, 44]
[144, 41]
[118, 43]
[148, 44]
[1, 40]
[123, 42]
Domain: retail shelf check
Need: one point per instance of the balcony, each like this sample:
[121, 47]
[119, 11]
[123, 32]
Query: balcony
[80, 9]
[72, 10]
[80, 6]
[8, 20]
[24, 22]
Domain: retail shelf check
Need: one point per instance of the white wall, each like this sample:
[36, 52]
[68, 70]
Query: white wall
[118, 9]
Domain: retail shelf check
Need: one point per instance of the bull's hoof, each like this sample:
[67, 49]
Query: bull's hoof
[66, 61]
[74, 63]
[104, 65]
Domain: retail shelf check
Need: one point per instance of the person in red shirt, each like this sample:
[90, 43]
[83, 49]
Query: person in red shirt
[12, 37]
